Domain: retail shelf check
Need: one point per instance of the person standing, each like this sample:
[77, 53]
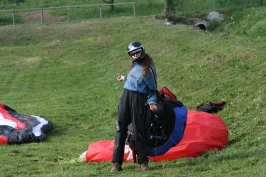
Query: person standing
[137, 100]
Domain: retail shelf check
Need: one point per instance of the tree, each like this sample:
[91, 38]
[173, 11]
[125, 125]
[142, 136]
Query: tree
[4, 2]
[170, 8]
[110, 2]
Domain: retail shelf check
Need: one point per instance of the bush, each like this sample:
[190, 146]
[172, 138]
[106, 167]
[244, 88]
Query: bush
[214, 24]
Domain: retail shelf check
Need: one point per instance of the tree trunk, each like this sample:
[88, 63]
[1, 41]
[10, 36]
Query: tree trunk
[112, 7]
[4, 4]
[166, 9]
[169, 8]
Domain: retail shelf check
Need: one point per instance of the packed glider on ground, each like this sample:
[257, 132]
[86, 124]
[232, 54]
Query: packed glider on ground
[203, 132]
[17, 128]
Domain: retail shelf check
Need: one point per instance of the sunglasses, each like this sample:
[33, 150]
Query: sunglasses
[135, 52]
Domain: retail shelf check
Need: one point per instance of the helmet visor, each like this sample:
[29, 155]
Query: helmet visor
[135, 53]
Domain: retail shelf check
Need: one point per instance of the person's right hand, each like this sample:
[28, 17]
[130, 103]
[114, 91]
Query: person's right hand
[120, 78]
[153, 107]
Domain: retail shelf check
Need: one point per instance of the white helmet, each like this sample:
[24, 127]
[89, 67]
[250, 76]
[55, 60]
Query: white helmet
[136, 51]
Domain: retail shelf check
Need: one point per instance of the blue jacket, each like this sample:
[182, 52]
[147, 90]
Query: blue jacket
[135, 81]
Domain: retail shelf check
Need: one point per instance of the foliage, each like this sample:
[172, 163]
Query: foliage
[6, 2]
[171, 6]
[110, 2]
[213, 24]
[248, 22]
[16, 1]
[171, 9]
[143, 8]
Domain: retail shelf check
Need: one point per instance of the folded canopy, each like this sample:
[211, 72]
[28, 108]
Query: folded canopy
[203, 132]
[17, 128]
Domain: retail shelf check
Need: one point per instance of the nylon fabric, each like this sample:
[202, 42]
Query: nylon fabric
[131, 109]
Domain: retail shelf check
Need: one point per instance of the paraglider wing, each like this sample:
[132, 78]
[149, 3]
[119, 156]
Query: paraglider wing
[17, 128]
[203, 132]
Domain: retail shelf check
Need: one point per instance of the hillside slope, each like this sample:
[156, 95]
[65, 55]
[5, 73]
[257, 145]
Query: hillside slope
[67, 74]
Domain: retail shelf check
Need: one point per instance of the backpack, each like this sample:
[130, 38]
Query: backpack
[165, 126]
[211, 107]
[166, 93]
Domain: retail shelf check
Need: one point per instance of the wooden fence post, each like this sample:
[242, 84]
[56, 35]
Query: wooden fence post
[68, 14]
[134, 9]
[101, 14]
[14, 20]
[42, 20]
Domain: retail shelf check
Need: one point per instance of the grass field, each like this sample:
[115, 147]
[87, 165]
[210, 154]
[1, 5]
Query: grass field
[67, 73]
[79, 9]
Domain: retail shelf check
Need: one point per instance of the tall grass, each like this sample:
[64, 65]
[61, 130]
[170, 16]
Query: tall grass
[58, 8]
[143, 8]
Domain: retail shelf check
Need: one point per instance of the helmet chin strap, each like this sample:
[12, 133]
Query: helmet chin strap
[138, 60]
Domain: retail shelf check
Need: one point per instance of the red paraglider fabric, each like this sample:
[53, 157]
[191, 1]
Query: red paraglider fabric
[203, 132]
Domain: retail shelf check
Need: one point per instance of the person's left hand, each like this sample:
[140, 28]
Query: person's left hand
[153, 107]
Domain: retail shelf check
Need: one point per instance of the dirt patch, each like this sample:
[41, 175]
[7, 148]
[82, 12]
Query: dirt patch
[36, 17]
[195, 18]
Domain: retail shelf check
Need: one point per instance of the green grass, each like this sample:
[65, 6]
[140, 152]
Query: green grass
[67, 73]
[143, 8]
